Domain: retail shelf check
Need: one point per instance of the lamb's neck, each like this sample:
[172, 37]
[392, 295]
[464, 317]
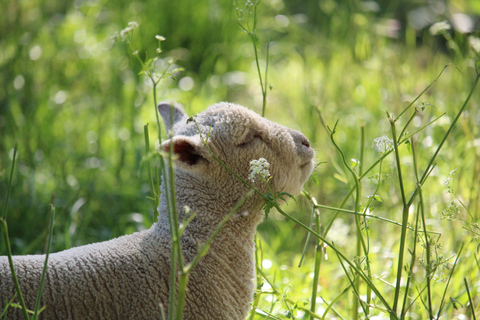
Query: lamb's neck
[242, 224]
[210, 203]
[235, 236]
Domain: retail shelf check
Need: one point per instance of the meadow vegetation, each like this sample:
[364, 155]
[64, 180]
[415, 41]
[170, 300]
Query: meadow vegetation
[385, 91]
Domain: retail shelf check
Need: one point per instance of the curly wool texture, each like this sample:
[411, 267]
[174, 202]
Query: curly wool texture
[128, 277]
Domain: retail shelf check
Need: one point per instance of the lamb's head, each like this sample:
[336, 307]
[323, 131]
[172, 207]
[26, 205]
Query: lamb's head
[237, 136]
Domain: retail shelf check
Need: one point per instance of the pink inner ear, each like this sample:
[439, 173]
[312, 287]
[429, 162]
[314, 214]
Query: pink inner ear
[185, 151]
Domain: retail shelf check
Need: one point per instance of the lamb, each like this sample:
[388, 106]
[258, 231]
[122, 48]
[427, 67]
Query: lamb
[128, 277]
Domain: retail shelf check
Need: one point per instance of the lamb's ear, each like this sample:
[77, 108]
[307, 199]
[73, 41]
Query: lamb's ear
[178, 114]
[189, 150]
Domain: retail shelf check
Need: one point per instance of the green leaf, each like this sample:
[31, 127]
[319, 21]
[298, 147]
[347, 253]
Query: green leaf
[375, 197]
[355, 162]
[340, 178]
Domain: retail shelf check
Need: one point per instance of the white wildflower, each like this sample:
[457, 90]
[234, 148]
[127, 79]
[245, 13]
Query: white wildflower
[439, 27]
[133, 25]
[124, 33]
[159, 38]
[249, 4]
[382, 144]
[474, 42]
[259, 168]
[447, 182]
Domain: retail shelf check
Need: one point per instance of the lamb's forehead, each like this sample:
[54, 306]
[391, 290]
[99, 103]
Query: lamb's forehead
[222, 117]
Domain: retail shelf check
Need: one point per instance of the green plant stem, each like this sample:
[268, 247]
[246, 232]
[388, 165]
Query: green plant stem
[368, 216]
[312, 218]
[45, 267]
[182, 288]
[185, 272]
[316, 268]
[340, 254]
[328, 227]
[362, 149]
[416, 298]
[404, 216]
[406, 125]
[173, 283]
[421, 94]
[337, 298]
[413, 253]
[400, 143]
[7, 304]
[452, 125]
[411, 269]
[10, 183]
[149, 164]
[203, 250]
[428, 270]
[4, 228]
[264, 94]
[422, 181]
[156, 111]
[360, 241]
[256, 295]
[421, 212]
[356, 293]
[264, 101]
[173, 219]
[263, 313]
[469, 299]
[448, 282]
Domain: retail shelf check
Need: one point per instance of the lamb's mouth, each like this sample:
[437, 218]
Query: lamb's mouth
[307, 164]
[308, 157]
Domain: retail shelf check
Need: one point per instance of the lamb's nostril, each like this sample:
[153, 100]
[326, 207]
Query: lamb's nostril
[306, 143]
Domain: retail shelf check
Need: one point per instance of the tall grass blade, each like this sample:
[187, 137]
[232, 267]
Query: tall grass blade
[448, 282]
[353, 284]
[264, 101]
[316, 268]
[7, 198]
[7, 305]
[337, 298]
[421, 93]
[452, 125]
[469, 299]
[45, 267]
[308, 237]
[330, 305]
[4, 228]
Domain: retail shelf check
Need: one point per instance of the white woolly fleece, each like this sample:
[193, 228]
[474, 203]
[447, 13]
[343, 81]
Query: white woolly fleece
[128, 277]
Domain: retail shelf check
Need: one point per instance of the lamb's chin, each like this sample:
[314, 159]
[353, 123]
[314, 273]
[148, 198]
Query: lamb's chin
[306, 171]
[294, 183]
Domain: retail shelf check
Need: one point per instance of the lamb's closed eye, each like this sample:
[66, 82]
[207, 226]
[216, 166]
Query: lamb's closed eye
[252, 136]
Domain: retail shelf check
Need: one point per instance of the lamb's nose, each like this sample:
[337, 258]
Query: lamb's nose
[300, 138]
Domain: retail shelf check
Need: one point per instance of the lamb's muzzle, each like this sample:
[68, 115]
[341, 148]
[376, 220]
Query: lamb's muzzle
[300, 138]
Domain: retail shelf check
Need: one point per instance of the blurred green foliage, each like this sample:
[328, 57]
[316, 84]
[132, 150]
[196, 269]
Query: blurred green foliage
[76, 105]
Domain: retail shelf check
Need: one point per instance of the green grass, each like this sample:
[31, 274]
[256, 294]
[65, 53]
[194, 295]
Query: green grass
[79, 109]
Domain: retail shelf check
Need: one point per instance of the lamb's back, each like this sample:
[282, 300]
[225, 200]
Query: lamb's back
[124, 278]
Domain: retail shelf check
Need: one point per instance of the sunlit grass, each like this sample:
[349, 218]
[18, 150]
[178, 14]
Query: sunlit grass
[81, 136]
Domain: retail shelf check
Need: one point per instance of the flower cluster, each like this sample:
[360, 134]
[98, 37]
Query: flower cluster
[449, 181]
[439, 28]
[382, 144]
[124, 34]
[259, 168]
